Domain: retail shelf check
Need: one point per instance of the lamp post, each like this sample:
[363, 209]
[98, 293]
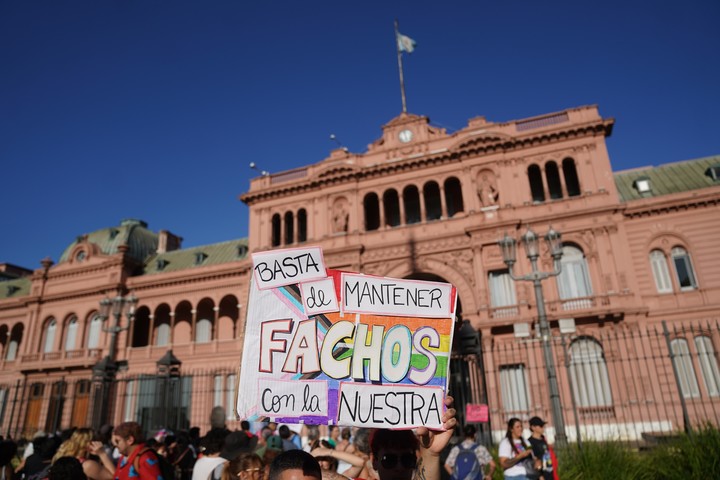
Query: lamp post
[530, 241]
[104, 371]
[168, 372]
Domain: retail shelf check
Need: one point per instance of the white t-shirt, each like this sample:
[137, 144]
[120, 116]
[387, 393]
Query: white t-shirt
[205, 466]
[505, 450]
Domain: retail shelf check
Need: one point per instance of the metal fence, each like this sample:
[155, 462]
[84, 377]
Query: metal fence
[630, 383]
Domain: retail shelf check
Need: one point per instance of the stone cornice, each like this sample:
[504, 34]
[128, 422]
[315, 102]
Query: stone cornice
[190, 276]
[476, 147]
[678, 202]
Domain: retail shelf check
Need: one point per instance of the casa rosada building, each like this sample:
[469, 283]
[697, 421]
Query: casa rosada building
[639, 256]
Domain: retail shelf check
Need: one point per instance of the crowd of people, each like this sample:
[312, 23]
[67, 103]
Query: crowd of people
[274, 452]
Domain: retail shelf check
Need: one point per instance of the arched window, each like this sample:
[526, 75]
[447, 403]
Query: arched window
[289, 228]
[203, 331]
[571, 178]
[371, 205]
[683, 269]
[230, 397]
[163, 335]
[71, 334]
[658, 263]
[11, 352]
[708, 364]
[453, 196]
[502, 294]
[302, 225]
[411, 200]
[684, 368]
[553, 180]
[574, 279]
[433, 207]
[49, 344]
[589, 374]
[536, 183]
[276, 230]
[392, 208]
[94, 332]
[218, 391]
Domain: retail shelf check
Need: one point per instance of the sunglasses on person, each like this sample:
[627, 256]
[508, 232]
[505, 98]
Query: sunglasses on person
[390, 460]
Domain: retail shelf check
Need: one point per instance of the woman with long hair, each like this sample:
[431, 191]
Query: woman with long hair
[246, 466]
[513, 451]
[77, 446]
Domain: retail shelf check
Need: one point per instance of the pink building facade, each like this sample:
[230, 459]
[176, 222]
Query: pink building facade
[638, 256]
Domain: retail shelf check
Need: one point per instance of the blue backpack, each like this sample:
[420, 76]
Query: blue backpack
[467, 466]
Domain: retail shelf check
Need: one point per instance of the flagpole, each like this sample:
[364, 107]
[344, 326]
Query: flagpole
[400, 69]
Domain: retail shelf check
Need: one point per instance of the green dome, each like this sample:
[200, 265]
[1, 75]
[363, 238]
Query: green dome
[131, 232]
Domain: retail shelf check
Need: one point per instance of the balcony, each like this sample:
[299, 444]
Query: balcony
[66, 359]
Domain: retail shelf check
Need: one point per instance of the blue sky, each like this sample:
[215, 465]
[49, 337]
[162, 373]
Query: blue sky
[154, 109]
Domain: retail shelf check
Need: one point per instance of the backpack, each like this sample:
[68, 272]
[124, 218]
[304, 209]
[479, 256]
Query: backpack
[467, 466]
[167, 469]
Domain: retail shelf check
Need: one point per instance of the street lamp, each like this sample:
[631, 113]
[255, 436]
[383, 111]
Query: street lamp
[168, 372]
[104, 371]
[530, 241]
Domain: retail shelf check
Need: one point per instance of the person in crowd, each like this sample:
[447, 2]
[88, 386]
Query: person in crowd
[287, 436]
[344, 441]
[540, 448]
[194, 433]
[273, 448]
[246, 466]
[210, 447]
[330, 460]
[38, 464]
[181, 455]
[515, 454]
[105, 436]
[236, 444]
[78, 446]
[263, 436]
[394, 453]
[136, 461]
[67, 468]
[312, 434]
[8, 450]
[457, 465]
[30, 449]
[361, 447]
[295, 465]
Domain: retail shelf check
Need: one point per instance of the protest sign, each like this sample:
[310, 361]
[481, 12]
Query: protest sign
[329, 347]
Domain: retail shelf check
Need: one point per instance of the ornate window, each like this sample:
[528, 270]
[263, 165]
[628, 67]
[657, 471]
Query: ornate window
[163, 335]
[453, 196]
[302, 225]
[289, 221]
[71, 334]
[411, 201]
[514, 388]
[708, 364]
[684, 368]
[230, 397]
[536, 184]
[94, 332]
[571, 177]
[433, 206]
[49, 344]
[502, 293]
[203, 331]
[391, 206]
[276, 230]
[683, 269]
[589, 374]
[371, 205]
[574, 279]
[659, 266]
[552, 175]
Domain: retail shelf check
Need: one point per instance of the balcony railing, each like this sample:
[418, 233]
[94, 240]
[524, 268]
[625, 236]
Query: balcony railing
[76, 355]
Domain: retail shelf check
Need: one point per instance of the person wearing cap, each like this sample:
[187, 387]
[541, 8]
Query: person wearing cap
[540, 448]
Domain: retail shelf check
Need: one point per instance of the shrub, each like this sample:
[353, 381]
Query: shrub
[600, 461]
[693, 456]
